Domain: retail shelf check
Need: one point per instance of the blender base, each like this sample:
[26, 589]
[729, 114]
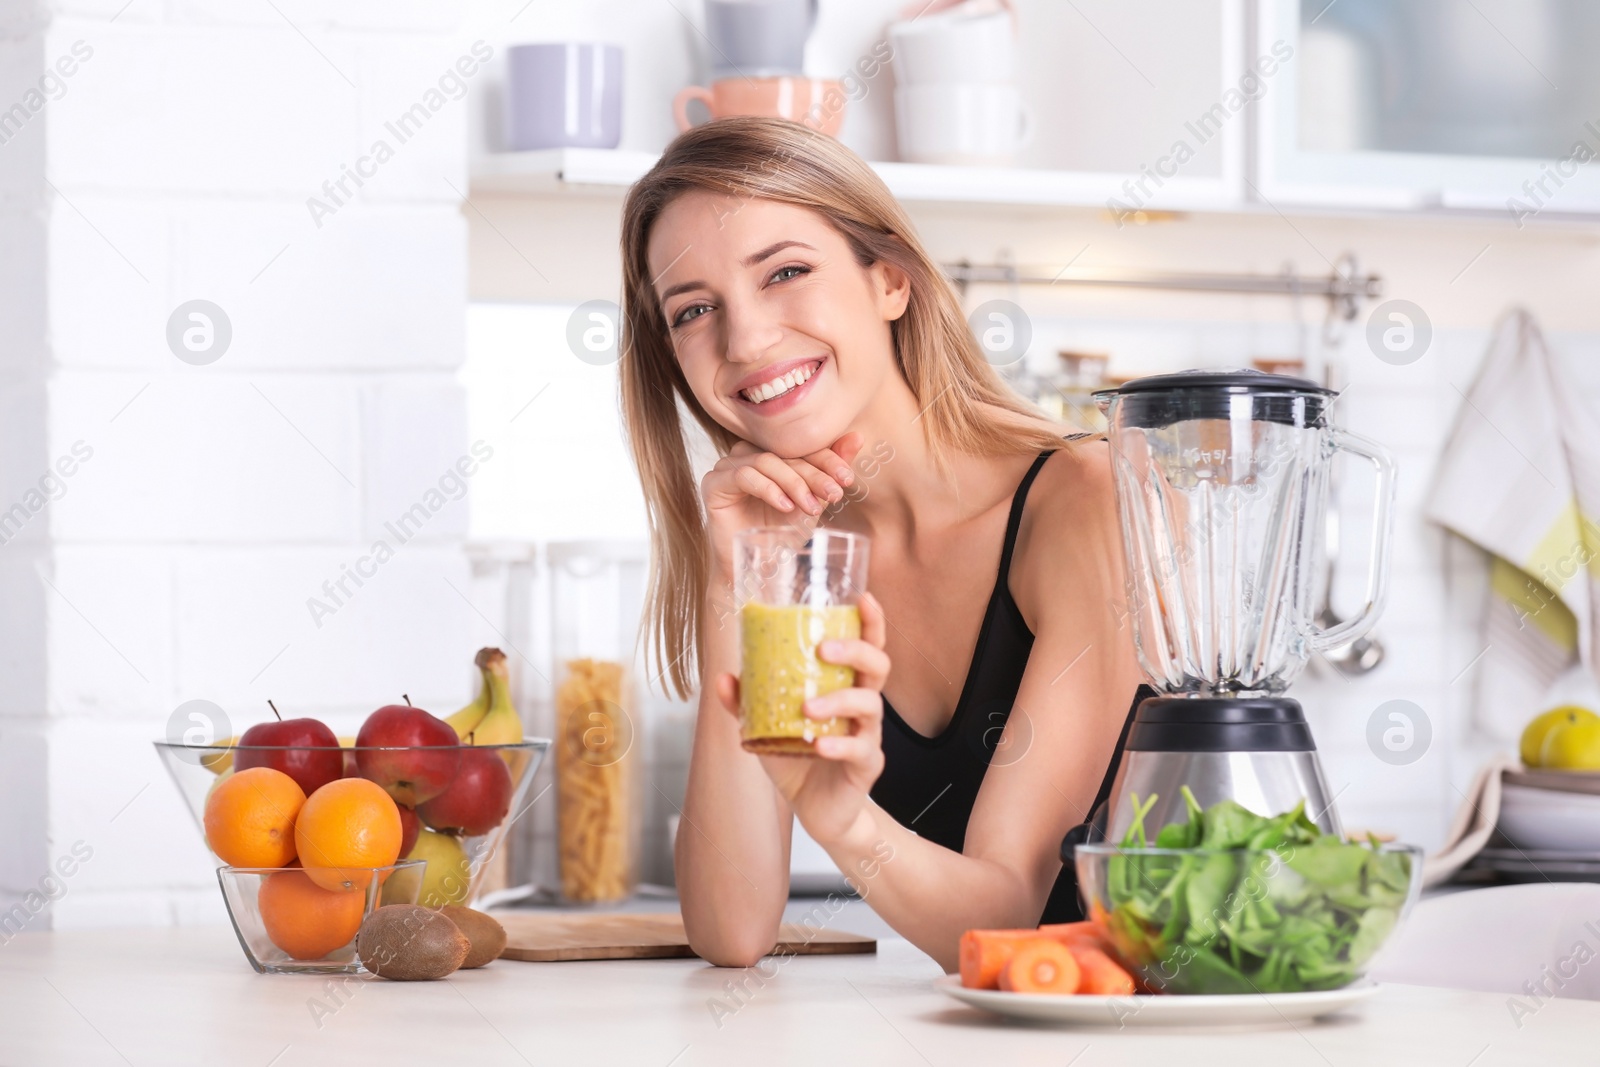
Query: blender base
[1256, 751]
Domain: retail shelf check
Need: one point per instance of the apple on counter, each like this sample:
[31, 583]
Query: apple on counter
[425, 756]
[304, 749]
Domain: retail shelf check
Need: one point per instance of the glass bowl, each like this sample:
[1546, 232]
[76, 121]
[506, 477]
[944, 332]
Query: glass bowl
[1283, 920]
[460, 860]
[288, 925]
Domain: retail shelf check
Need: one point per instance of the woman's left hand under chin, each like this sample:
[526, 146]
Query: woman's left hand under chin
[829, 792]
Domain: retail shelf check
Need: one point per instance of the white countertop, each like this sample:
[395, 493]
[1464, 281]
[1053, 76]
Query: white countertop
[187, 995]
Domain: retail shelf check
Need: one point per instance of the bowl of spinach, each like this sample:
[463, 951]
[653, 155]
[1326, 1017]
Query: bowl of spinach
[1234, 902]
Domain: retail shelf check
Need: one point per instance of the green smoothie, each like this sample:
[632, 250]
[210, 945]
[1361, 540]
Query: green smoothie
[779, 670]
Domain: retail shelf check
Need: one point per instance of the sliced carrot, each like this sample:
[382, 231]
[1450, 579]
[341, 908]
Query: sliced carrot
[1102, 975]
[1041, 965]
[985, 953]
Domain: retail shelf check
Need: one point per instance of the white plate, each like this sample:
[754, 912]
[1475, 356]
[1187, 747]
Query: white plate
[1250, 1010]
[1543, 818]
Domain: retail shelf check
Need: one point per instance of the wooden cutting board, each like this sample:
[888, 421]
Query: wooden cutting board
[634, 936]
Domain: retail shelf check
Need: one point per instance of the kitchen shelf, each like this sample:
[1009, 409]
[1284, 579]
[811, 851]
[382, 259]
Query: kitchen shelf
[596, 170]
[609, 172]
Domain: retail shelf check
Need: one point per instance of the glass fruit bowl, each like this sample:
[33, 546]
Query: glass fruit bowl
[288, 924]
[1280, 920]
[457, 830]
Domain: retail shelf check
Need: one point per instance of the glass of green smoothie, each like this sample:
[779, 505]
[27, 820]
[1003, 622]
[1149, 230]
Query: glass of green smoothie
[794, 588]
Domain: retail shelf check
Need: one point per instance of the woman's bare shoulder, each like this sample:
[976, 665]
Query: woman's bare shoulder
[1069, 541]
[1073, 494]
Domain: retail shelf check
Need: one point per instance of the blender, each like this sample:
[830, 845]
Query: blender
[1221, 484]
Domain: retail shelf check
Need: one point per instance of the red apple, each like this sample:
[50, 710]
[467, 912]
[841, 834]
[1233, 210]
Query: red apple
[304, 749]
[410, 827]
[477, 801]
[423, 753]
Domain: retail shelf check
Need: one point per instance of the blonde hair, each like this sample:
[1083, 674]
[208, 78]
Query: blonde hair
[968, 408]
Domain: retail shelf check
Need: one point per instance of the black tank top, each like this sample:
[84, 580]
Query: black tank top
[929, 784]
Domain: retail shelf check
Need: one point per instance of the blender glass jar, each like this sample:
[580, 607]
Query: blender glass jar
[1221, 481]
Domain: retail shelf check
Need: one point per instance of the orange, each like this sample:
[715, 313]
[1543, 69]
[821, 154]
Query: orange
[250, 817]
[346, 827]
[305, 920]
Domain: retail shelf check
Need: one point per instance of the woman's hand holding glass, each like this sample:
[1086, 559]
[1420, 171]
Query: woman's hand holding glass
[829, 791]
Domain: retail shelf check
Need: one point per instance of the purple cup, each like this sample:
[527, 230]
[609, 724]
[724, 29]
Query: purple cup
[563, 95]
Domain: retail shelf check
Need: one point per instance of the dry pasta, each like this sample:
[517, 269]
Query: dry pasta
[594, 782]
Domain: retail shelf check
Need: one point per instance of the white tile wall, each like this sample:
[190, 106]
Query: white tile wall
[22, 315]
[416, 437]
[22, 643]
[268, 459]
[178, 562]
[109, 634]
[119, 254]
[375, 288]
[245, 633]
[21, 62]
[226, 110]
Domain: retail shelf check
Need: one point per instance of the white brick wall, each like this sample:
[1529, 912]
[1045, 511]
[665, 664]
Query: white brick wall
[203, 457]
[178, 561]
[374, 288]
[404, 630]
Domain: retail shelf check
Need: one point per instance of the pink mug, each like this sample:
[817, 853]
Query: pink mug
[816, 102]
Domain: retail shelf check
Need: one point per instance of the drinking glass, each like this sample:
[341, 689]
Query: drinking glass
[794, 589]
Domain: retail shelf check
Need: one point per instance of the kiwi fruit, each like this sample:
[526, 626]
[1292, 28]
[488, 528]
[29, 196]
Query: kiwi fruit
[487, 936]
[410, 943]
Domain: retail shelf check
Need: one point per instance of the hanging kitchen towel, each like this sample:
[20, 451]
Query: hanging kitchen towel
[1474, 823]
[1520, 478]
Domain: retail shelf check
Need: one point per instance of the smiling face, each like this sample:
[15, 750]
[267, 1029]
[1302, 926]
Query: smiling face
[783, 336]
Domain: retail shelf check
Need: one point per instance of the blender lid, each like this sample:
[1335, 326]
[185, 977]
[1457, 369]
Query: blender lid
[1162, 400]
[1231, 380]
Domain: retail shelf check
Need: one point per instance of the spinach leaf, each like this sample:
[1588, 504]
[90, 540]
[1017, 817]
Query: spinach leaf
[1229, 824]
[1329, 862]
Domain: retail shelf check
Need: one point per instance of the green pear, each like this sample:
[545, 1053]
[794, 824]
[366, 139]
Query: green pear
[448, 878]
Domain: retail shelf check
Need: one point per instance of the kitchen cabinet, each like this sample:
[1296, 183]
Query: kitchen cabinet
[1487, 105]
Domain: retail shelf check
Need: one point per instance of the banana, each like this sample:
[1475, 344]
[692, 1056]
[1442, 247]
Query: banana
[501, 725]
[467, 719]
[220, 762]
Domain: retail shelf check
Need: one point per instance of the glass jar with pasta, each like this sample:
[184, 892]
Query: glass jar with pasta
[595, 596]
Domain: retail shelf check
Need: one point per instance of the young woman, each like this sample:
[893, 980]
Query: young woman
[776, 293]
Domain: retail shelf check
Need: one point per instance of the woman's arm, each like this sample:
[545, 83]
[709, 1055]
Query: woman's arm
[1050, 758]
[732, 851]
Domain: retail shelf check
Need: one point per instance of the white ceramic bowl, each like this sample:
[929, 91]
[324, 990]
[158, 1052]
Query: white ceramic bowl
[1546, 819]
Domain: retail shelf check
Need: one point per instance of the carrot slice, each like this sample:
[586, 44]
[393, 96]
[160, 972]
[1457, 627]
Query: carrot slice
[984, 953]
[1101, 974]
[1041, 965]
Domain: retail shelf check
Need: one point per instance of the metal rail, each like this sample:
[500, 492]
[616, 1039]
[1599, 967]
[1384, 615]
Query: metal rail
[1344, 291]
